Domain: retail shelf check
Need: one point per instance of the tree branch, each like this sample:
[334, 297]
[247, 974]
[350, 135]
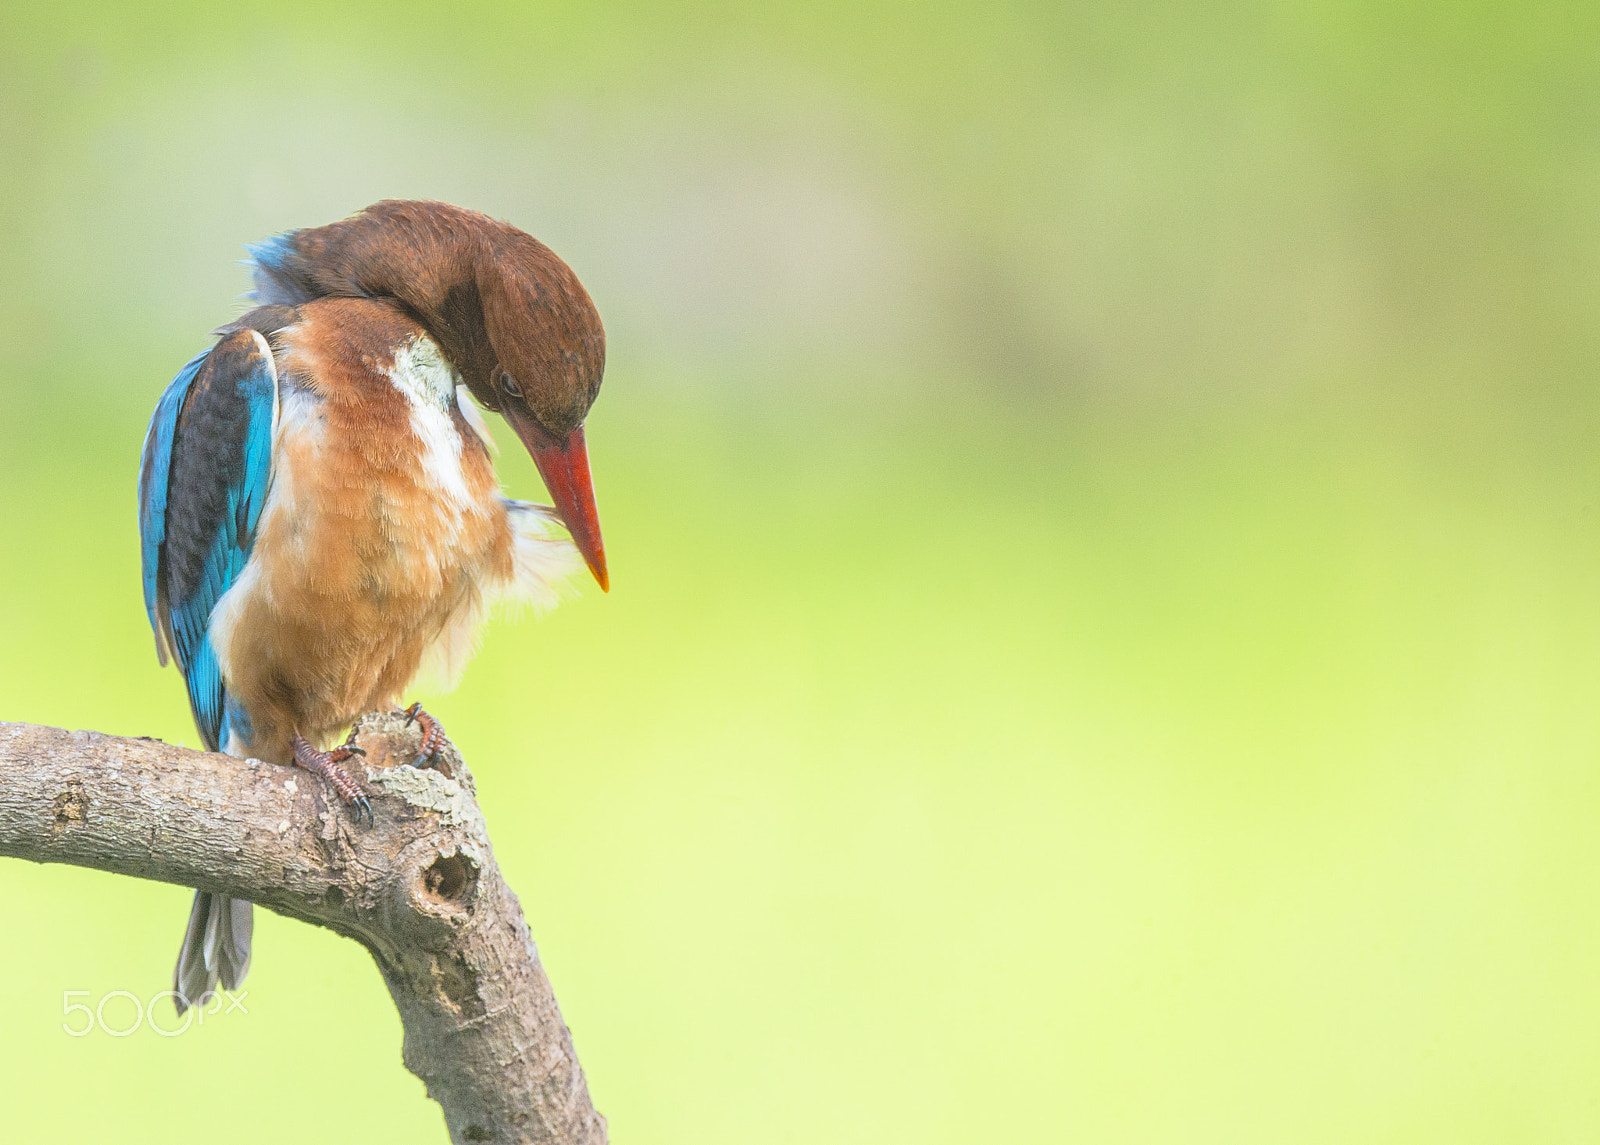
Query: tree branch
[421, 891]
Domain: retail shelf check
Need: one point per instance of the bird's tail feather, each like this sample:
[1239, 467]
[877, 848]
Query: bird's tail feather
[216, 948]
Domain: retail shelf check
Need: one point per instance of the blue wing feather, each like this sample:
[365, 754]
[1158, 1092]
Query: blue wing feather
[231, 447]
[154, 470]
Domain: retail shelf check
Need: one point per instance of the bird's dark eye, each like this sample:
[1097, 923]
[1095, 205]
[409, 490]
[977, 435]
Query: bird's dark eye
[509, 385]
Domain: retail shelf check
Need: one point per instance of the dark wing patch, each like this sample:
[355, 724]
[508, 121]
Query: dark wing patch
[208, 460]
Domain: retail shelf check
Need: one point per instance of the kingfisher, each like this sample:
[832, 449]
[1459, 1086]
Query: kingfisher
[319, 515]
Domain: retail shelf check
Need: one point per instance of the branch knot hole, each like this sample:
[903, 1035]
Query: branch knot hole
[450, 879]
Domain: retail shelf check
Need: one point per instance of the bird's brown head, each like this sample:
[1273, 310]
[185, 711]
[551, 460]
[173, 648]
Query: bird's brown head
[549, 354]
[509, 314]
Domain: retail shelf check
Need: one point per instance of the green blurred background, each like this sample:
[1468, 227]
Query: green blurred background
[1101, 504]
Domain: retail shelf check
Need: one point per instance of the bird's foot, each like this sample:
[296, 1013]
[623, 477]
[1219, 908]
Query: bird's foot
[432, 734]
[326, 764]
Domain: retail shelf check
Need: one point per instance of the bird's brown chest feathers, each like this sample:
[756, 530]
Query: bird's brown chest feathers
[383, 528]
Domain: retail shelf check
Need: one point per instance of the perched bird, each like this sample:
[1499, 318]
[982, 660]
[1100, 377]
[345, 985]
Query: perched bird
[318, 511]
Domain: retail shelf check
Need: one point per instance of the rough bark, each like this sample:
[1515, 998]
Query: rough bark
[421, 891]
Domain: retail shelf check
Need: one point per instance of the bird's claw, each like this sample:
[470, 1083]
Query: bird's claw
[326, 764]
[432, 734]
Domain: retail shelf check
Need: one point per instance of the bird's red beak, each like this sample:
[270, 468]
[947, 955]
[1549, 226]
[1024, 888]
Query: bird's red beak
[564, 465]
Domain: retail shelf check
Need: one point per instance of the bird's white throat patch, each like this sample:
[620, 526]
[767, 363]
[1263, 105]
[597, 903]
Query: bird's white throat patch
[429, 383]
[422, 373]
